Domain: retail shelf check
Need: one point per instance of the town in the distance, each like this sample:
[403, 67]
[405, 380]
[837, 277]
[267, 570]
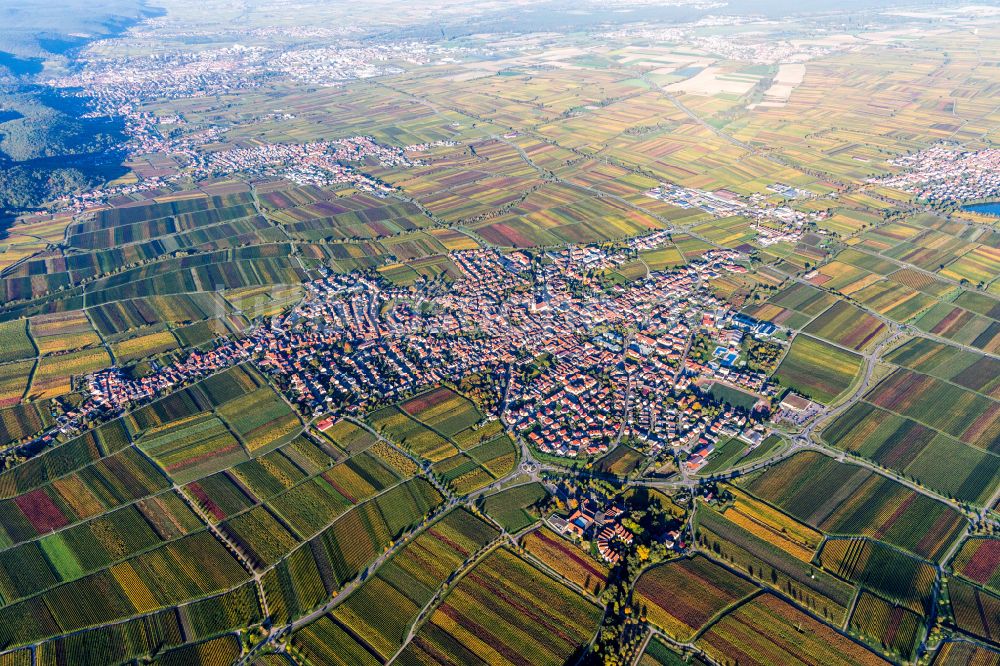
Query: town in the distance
[523, 332]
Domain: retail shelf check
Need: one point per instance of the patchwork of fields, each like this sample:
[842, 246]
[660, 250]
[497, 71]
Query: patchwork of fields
[475, 342]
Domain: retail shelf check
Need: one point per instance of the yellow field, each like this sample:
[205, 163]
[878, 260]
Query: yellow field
[766, 522]
[64, 331]
[53, 375]
[144, 346]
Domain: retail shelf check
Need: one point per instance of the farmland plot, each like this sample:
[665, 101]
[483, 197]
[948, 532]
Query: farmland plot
[818, 370]
[884, 624]
[817, 591]
[963, 653]
[682, 596]
[495, 614]
[443, 410]
[960, 413]
[766, 630]
[382, 610]
[975, 610]
[515, 508]
[848, 326]
[566, 559]
[913, 449]
[840, 498]
[979, 561]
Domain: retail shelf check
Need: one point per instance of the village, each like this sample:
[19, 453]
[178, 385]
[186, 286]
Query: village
[578, 366]
[316, 163]
[945, 174]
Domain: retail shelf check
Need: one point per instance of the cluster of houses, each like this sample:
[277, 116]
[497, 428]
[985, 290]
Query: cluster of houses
[334, 65]
[122, 82]
[577, 365]
[944, 174]
[575, 406]
[592, 522]
[117, 87]
[318, 163]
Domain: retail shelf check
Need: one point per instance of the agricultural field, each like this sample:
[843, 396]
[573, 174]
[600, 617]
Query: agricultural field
[662, 258]
[326, 641]
[462, 473]
[727, 454]
[194, 447]
[735, 453]
[924, 283]
[62, 332]
[566, 559]
[960, 653]
[102, 549]
[815, 590]
[24, 419]
[340, 551]
[682, 596]
[499, 456]
[144, 346]
[975, 611]
[443, 410]
[165, 576]
[474, 435]
[309, 506]
[882, 624]
[979, 561]
[349, 437]
[882, 569]
[15, 343]
[963, 414]
[14, 378]
[621, 461]
[794, 306]
[130, 315]
[968, 369]
[262, 420]
[411, 434]
[203, 333]
[818, 370]
[381, 612]
[847, 326]
[893, 300]
[767, 630]
[773, 526]
[517, 507]
[557, 214]
[915, 450]
[494, 613]
[845, 499]
[961, 326]
[658, 653]
[54, 374]
[845, 278]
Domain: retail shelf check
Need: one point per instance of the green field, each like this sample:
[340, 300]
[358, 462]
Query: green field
[910, 448]
[514, 508]
[818, 370]
[841, 498]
